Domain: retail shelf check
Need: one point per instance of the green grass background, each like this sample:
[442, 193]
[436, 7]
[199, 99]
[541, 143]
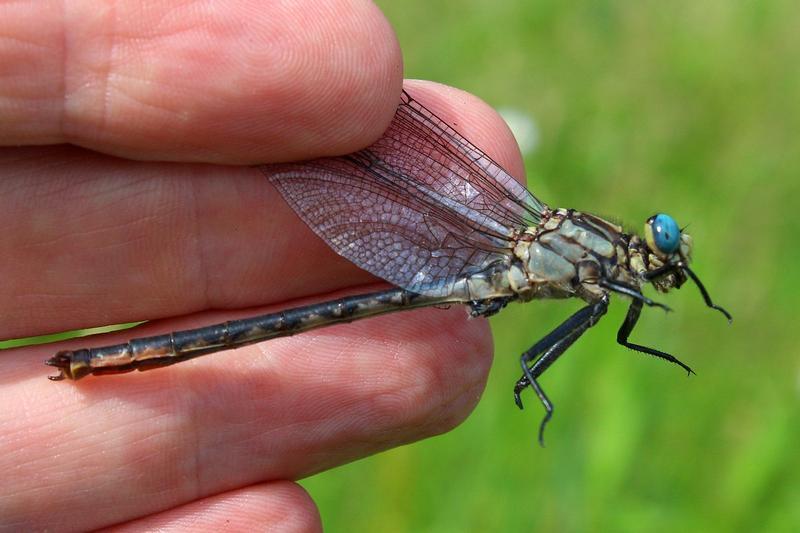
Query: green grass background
[692, 108]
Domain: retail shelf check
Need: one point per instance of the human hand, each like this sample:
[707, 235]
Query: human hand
[105, 231]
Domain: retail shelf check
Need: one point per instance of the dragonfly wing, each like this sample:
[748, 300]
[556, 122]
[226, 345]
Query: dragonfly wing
[424, 147]
[420, 208]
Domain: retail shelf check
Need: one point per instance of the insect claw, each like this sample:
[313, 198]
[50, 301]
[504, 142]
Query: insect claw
[518, 401]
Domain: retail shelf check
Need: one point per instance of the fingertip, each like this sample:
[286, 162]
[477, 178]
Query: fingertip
[473, 118]
[405, 377]
[242, 82]
[353, 104]
[338, 91]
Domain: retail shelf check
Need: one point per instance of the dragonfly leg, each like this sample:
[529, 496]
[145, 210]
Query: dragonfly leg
[663, 270]
[487, 308]
[545, 352]
[666, 269]
[633, 292]
[706, 296]
[624, 332]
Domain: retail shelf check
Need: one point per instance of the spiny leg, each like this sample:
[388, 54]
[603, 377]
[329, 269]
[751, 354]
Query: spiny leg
[546, 347]
[529, 378]
[571, 325]
[632, 292]
[550, 348]
[706, 296]
[627, 326]
[666, 269]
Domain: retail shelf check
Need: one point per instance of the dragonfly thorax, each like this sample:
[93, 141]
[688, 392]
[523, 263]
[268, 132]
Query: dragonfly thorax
[566, 255]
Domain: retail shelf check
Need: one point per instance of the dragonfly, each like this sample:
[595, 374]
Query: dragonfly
[429, 212]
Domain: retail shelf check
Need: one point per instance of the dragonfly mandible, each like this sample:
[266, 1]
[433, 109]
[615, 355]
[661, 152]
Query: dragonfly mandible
[429, 212]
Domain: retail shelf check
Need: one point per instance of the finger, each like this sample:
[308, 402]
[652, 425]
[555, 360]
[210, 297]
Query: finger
[118, 447]
[232, 82]
[278, 506]
[98, 240]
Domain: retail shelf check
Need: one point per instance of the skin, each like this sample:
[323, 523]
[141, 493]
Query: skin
[127, 194]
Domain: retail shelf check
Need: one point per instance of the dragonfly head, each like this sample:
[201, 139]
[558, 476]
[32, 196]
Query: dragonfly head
[672, 251]
[668, 248]
[666, 240]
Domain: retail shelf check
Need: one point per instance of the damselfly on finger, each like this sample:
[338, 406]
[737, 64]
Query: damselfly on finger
[426, 210]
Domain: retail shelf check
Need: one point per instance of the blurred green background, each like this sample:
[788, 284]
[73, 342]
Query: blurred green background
[692, 108]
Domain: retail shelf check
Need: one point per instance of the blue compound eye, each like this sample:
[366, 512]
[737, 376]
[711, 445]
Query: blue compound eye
[665, 233]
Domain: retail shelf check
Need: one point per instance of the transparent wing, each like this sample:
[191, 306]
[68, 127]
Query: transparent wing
[420, 208]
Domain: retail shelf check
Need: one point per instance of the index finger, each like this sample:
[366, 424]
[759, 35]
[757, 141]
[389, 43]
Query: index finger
[233, 82]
